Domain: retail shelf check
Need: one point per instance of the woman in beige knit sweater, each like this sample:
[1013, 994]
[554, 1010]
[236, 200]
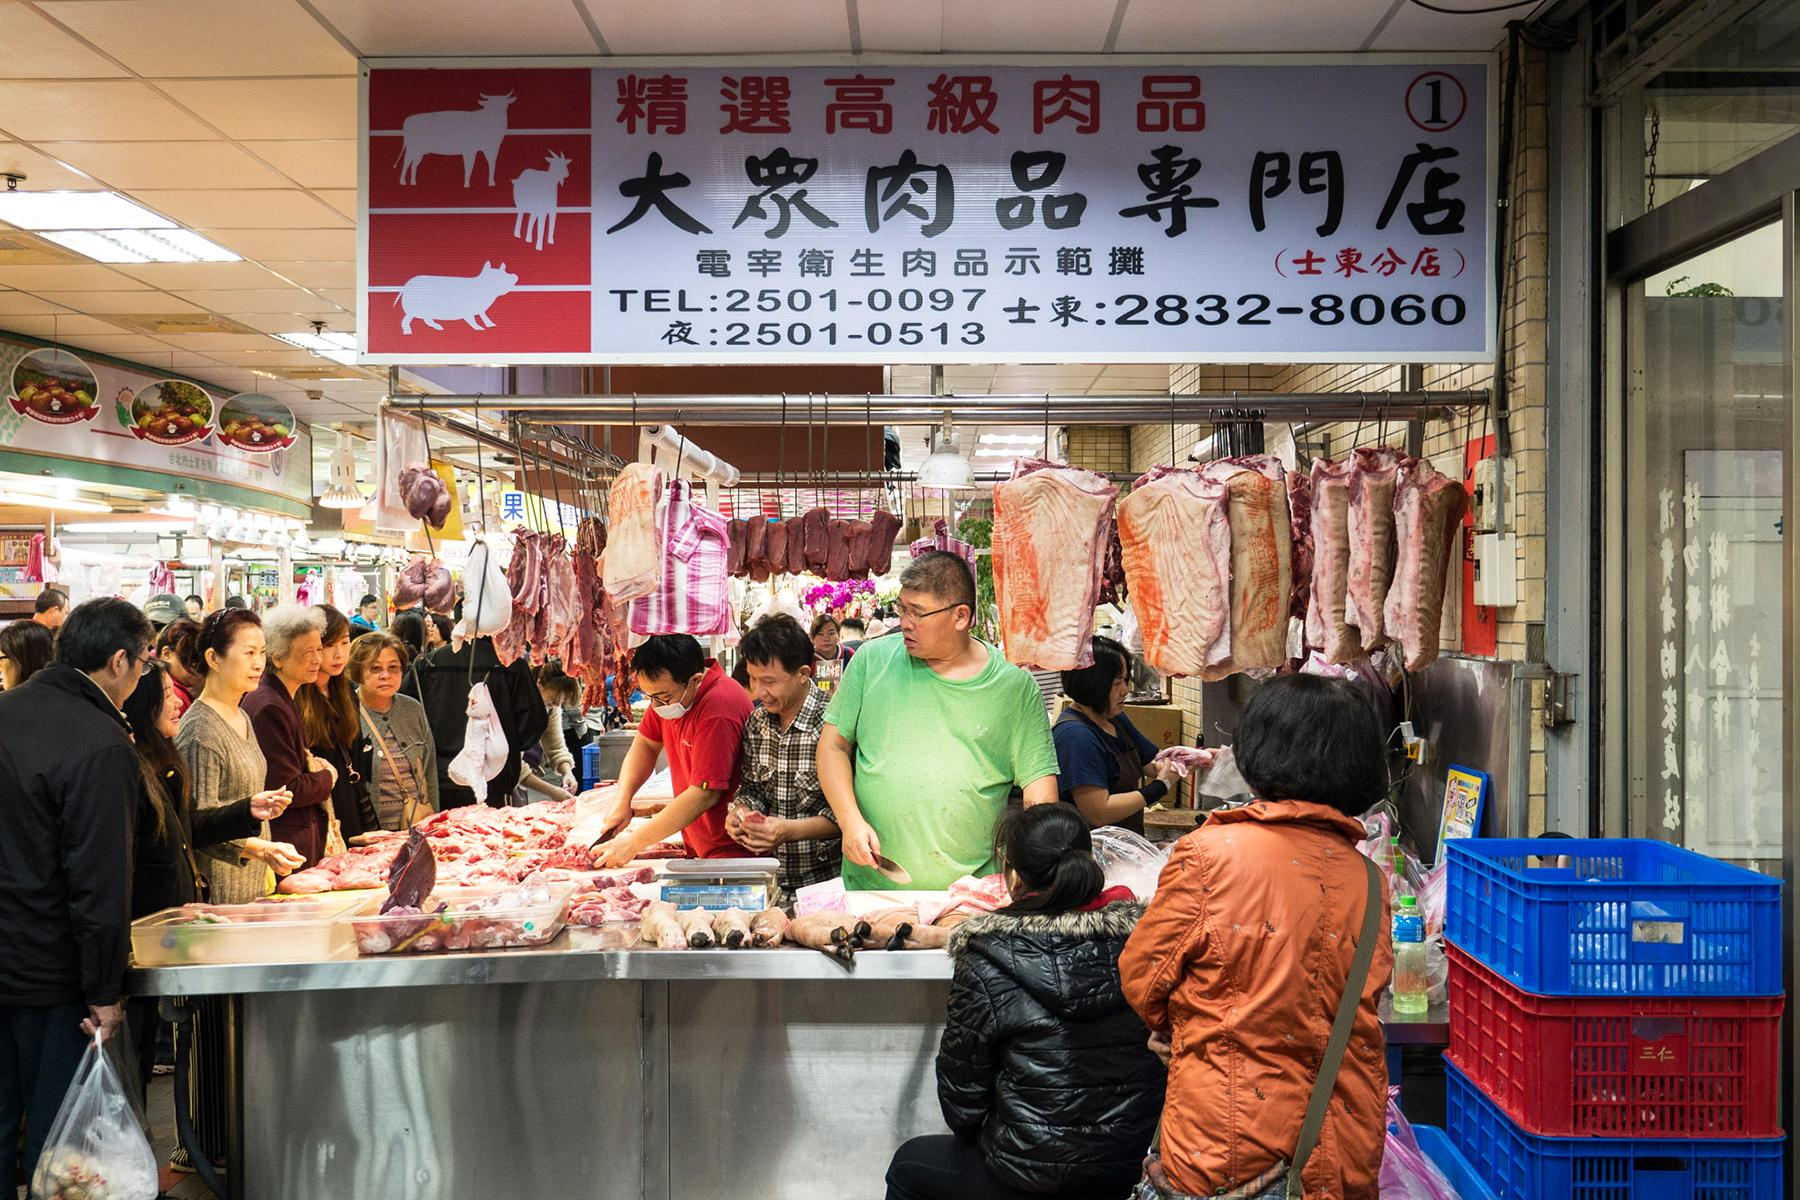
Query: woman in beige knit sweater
[224, 762]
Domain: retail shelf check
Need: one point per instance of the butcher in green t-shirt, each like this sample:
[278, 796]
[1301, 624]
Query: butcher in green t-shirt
[927, 734]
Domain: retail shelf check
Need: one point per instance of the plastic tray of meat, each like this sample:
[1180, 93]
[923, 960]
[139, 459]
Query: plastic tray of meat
[464, 918]
[269, 931]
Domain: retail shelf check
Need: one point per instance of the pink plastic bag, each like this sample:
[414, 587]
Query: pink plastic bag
[1406, 1174]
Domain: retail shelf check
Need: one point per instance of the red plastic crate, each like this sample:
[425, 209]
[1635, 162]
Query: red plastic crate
[1626, 1068]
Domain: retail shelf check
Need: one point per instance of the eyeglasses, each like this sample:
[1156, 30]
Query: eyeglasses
[911, 616]
[659, 698]
[147, 661]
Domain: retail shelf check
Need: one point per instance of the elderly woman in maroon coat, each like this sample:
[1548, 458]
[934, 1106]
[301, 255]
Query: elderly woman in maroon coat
[295, 635]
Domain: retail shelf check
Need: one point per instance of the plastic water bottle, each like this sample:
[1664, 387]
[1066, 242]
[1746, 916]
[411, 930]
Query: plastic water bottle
[1409, 960]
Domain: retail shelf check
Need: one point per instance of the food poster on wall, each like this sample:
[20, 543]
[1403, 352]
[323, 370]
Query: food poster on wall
[113, 436]
[1195, 211]
[255, 422]
[169, 412]
[1465, 790]
[52, 386]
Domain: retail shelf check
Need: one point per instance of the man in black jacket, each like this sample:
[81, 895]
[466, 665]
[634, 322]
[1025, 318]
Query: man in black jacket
[441, 679]
[68, 794]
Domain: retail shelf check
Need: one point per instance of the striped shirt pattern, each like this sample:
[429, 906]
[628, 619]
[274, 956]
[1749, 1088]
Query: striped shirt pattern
[692, 596]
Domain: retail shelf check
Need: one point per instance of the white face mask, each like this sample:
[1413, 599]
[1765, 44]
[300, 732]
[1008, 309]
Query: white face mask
[672, 712]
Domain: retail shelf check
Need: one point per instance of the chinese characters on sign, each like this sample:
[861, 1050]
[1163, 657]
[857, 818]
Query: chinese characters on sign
[1249, 212]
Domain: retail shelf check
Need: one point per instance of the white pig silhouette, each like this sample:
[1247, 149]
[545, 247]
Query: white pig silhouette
[434, 298]
[465, 133]
[534, 195]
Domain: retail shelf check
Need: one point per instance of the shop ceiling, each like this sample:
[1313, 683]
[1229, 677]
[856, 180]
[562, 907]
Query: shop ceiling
[239, 120]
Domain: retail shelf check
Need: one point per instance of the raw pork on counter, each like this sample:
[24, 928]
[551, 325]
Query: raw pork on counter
[1371, 529]
[1261, 562]
[1175, 544]
[1052, 527]
[1428, 513]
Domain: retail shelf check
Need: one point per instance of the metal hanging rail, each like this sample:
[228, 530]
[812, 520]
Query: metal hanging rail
[1147, 409]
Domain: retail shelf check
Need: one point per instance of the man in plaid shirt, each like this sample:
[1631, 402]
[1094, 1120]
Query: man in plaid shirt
[780, 808]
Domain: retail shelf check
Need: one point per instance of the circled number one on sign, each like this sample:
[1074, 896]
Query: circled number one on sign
[1436, 101]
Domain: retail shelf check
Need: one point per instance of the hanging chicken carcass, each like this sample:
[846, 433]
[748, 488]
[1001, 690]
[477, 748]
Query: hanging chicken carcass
[1052, 526]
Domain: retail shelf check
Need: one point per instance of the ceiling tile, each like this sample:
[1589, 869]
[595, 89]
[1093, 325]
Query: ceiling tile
[1230, 26]
[131, 165]
[1415, 28]
[42, 174]
[98, 111]
[37, 49]
[272, 108]
[24, 304]
[283, 300]
[122, 302]
[1043, 26]
[342, 199]
[344, 298]
[267, 358]
[180, 277]
[316, 275]
[226, 209]
[210, 343]
[710, 26]
[46, 323]
[295, 322]
[916, 28]
[468, 27]
[175, 38]
[77, 278]
[126, 345]
[289, 245]
[327, 164]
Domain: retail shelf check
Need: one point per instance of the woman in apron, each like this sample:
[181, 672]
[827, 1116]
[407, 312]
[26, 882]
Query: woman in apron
[1102, 761]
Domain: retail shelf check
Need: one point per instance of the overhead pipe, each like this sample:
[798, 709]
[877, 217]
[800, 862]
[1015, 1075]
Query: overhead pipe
[689, 457]
[1147, 409]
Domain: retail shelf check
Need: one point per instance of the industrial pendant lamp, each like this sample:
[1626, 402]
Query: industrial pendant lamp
[341, 490]
[945, 468]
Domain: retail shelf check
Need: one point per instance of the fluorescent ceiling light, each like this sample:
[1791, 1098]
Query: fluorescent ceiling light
[142, 245]
[53, 503]
[38, 211]
[338, 347]
[151, 526]
[1011, 439]
[996, 454]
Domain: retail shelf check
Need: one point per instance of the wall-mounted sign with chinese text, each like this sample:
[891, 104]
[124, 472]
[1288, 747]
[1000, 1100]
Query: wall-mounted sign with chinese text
[878, 214]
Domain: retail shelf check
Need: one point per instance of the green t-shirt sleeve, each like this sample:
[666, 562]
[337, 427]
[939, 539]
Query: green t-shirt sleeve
[1034, 751]
[847, 698]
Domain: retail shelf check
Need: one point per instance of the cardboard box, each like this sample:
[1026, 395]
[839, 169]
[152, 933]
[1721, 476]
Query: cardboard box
[1161, 723]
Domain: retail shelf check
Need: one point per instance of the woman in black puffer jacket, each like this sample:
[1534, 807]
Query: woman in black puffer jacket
[1044, 1075]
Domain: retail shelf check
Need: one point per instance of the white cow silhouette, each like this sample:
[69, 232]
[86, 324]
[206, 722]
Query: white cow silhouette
[534, 195]
[465, 133]
[434, 298]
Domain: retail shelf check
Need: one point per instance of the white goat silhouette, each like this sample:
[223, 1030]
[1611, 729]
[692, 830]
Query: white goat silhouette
[466, 133]
[534, 195]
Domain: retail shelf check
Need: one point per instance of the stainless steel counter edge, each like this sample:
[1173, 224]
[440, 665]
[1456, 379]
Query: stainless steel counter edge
[558, 962]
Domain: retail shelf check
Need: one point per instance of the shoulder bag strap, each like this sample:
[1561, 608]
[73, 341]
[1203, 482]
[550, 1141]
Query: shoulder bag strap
[1340, 1034]
[411, 811]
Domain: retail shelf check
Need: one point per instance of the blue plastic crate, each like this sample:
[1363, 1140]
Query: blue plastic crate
[1627, 917]
[1436, 1145]
[590, 765]
[1523, 1166]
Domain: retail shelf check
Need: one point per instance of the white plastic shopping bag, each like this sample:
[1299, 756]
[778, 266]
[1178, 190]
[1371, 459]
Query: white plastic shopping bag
[98, 1148]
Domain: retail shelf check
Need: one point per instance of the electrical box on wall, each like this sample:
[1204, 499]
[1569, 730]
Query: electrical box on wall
[1496, 570]
[1484, 506]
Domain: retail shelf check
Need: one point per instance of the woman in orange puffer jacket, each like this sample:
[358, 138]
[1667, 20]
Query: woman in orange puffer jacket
[1241, 960]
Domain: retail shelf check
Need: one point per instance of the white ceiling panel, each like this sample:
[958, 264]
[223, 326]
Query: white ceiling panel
[37, 49]
[181, 277]
[272, 108]
[453, 27]
[60, 325]
[1415, 28]
[268, 359]
[177, 38]
[41, 173]
[13, 304]
[126, 345]
[905, 28]
[289, 245]
[132, 165]
[715, 26]
[92, 111]
[326, 164]
[222, 209]
[211, 343]
[344, 298]
[1040, 26]
[342, 199]
[79, 277]
[1243, 26]
[121, 302]
[298, 321]
[284, 300]
[316, 275]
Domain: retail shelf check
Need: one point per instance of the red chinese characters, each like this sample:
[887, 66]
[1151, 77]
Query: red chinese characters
[860, 103]
[962, 104]
[756, 104]
[657, 103]
[1076, 101]
[1171, 104]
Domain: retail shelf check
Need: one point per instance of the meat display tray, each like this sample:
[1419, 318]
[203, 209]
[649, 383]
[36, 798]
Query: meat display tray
[288, 931]
[456, 926]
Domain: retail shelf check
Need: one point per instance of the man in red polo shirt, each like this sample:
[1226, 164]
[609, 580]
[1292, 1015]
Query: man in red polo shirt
[697, 713]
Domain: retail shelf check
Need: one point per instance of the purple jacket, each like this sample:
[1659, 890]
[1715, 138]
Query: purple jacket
[282, 736]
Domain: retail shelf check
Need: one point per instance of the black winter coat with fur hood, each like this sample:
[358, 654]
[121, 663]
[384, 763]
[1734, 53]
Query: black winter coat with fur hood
[1042, 1060]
